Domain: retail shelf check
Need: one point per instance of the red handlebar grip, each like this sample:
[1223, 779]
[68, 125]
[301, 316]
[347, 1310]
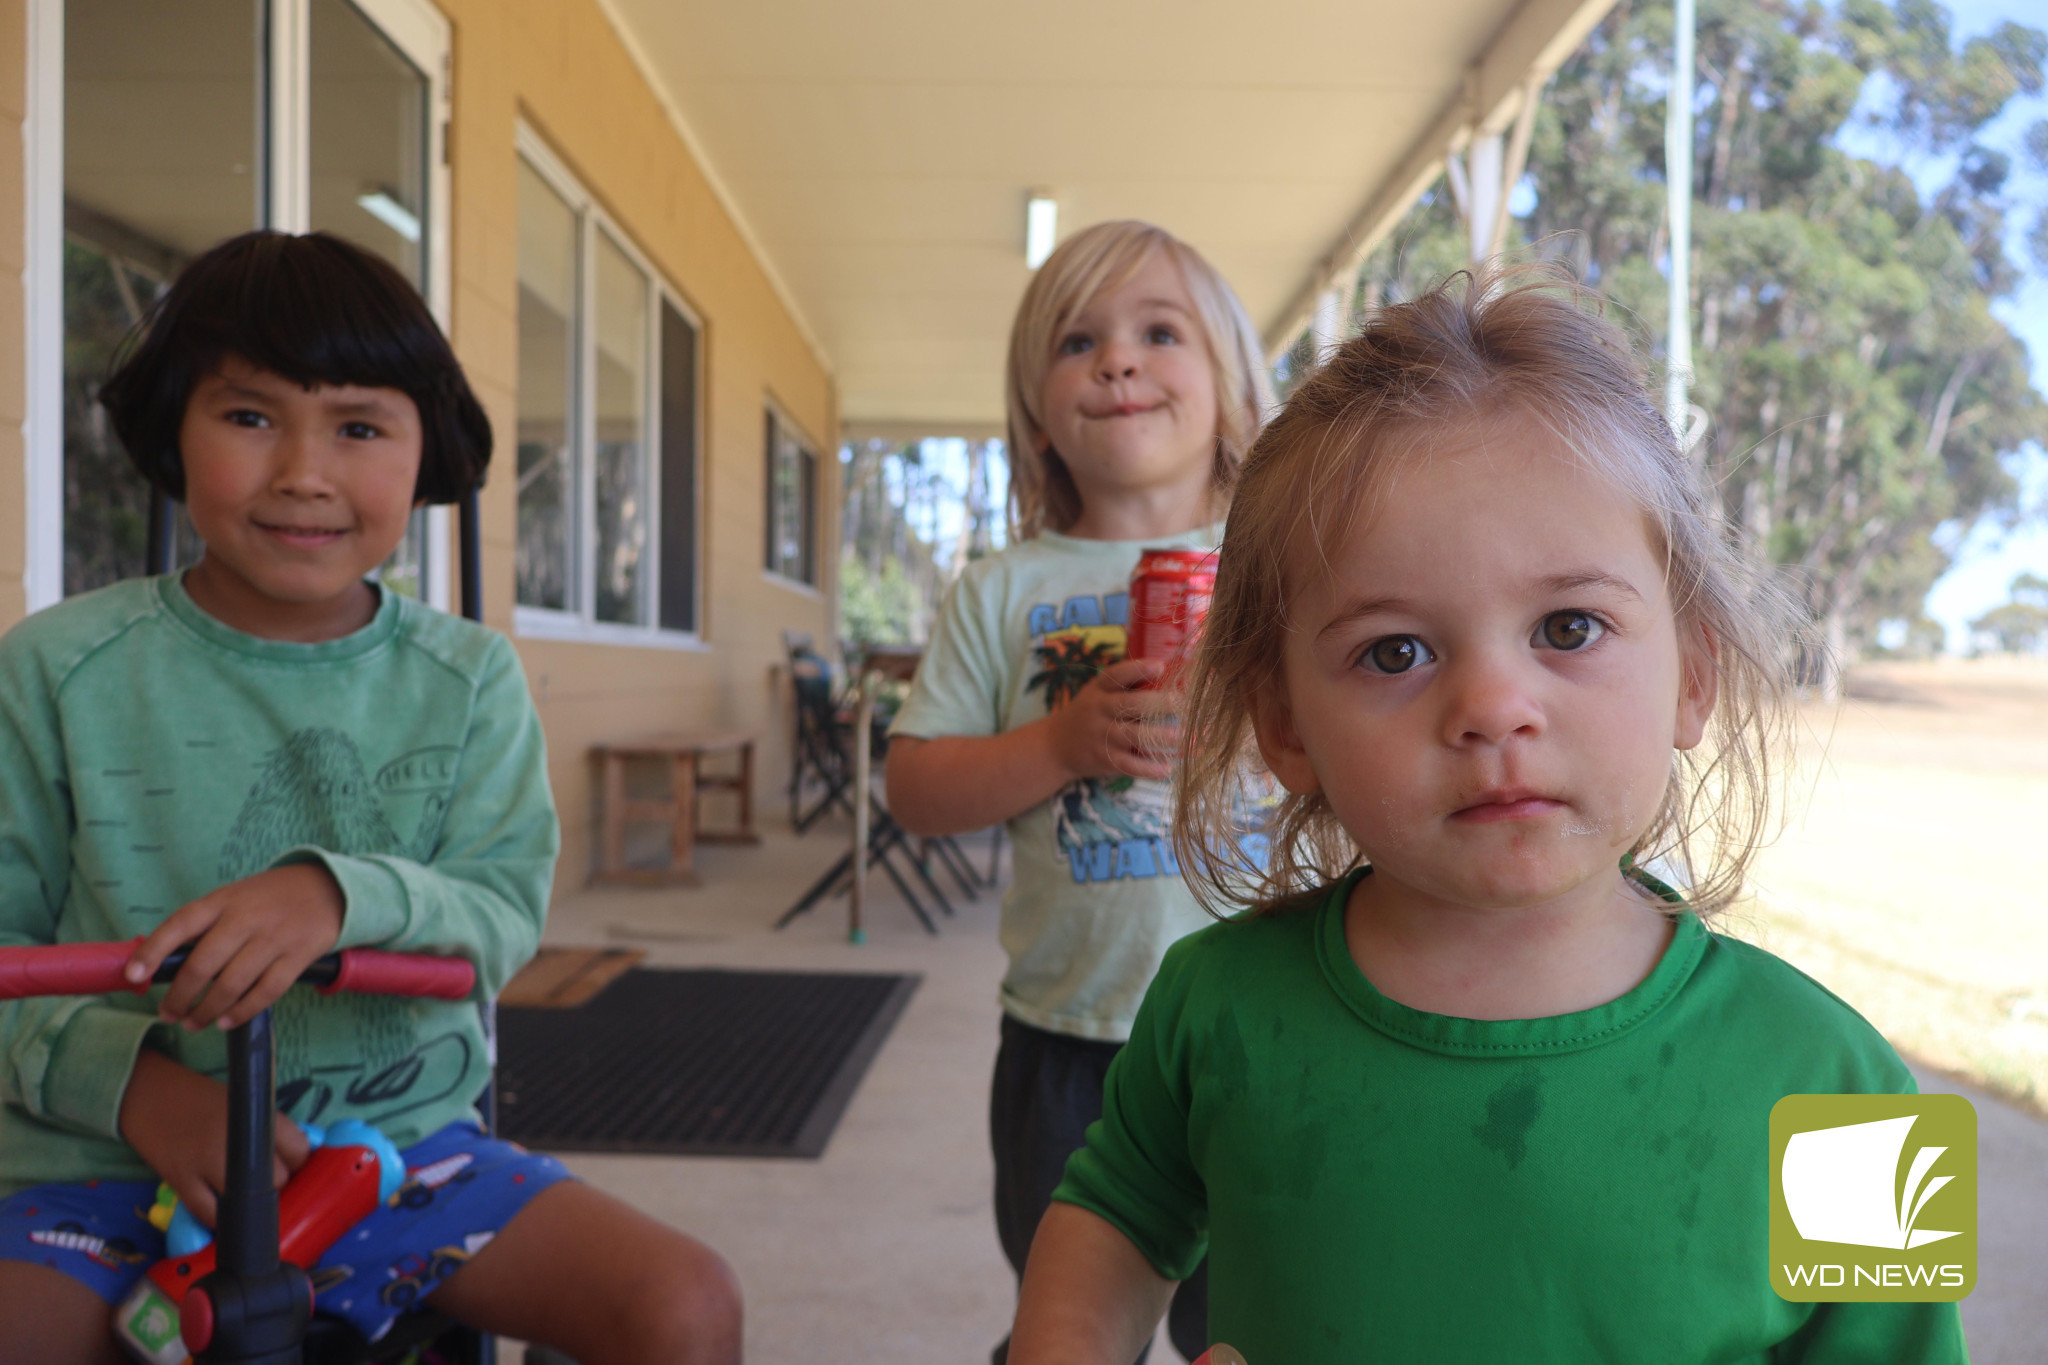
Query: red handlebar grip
[371, 971]
[67, 969]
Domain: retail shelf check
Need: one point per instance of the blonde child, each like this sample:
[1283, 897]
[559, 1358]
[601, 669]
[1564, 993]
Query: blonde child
[1135, 386]
[1460, 1085]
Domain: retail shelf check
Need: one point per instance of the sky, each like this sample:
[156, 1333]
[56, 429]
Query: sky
[1991, 556]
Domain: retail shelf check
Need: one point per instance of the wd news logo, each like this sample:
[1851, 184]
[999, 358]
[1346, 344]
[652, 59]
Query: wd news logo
[1873, 1197]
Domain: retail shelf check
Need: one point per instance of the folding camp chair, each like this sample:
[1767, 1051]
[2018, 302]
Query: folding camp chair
[823, 752]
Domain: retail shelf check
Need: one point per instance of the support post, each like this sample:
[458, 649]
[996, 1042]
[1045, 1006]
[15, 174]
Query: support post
[1483, 165]
[1678, 131]
[1327, 331]
[1517, 162]
[863, 763]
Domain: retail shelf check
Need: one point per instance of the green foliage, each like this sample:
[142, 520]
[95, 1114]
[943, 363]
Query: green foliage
[877, 609]
[895, 565]
[106, 502]
[1860, 393]
[1923, 638]
[2019, 626]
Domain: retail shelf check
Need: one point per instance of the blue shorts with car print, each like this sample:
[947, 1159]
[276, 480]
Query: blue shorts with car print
[461, 1188]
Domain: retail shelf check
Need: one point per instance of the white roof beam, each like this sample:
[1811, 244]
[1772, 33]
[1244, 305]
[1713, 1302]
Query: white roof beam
[1532, 45]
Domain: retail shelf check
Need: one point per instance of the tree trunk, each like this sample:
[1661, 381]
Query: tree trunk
[1835, 628]
[1944, 411]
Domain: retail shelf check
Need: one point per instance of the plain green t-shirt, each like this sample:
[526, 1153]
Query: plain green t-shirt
[1096, 896]
[150, 754]
[1376, 1183]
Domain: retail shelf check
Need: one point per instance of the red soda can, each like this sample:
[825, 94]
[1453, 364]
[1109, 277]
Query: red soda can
[1170, 592]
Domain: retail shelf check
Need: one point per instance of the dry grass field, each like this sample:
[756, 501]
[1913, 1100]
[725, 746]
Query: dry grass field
[1912, 877]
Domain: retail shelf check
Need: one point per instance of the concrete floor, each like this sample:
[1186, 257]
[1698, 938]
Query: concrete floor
[2006, 1316]
[885, 1248]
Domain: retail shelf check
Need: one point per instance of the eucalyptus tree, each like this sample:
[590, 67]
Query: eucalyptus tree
[1859, 391]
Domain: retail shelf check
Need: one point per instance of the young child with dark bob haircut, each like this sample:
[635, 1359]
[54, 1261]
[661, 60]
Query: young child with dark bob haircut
[263, 759]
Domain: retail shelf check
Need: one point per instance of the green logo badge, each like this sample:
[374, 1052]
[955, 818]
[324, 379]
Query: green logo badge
[153, 1320]
[1873, 1198]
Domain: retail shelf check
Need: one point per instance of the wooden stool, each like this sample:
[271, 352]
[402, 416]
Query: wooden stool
[684, 754]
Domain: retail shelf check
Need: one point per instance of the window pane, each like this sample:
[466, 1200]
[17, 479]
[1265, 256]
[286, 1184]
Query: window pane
[678, 471]
[788, 470]
[771, 521]
[368, 109]
[807, 568]
[160, 119]
[622, 464]
[405, 571]
[791, 478]
[547, 381]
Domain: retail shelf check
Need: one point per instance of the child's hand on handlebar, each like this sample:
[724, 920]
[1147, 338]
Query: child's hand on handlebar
[177, 1121]
[1118, 725]
[250, 940]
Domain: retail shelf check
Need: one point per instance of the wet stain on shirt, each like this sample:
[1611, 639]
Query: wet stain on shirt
[1511, 1112]
[1229, 1067]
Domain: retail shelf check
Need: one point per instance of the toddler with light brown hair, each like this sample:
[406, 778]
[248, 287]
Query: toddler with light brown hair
[1460, 1080]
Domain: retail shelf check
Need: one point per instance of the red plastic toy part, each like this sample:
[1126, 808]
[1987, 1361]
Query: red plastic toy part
[371, 971]
[195, 1322]
[67, 969]
[331, 1193]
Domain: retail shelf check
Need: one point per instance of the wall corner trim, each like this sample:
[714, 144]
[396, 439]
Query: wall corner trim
[726, 199]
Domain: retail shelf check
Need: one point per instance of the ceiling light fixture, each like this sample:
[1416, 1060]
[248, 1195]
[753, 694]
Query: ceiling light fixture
[1041, 227]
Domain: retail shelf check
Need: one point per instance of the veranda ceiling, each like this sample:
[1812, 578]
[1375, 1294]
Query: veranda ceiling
[880, 152]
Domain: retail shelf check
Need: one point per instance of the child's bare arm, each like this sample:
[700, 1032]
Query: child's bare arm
[177, 1121]
[250, 940]
[1115, 726]
[1089, 1296]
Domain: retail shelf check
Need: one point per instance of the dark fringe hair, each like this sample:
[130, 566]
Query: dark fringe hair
[316, 310]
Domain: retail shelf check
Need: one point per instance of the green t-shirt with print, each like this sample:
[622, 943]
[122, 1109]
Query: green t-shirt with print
[1096, 895]
[1376, 1183]
[150, 754]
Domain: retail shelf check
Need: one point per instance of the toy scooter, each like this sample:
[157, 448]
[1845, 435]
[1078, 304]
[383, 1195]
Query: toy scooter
[246, 1300]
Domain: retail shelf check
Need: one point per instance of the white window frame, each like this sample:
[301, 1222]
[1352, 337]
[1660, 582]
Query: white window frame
[581, 625]
[417, 29]
[810, 447]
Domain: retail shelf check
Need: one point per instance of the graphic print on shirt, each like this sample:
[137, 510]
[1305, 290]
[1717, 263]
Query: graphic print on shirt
[315, 790]
[1108, 828]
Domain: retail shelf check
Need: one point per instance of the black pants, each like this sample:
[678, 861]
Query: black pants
[1047, 1090]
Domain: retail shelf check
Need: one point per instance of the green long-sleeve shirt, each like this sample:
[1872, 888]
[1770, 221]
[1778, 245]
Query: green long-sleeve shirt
[149, 754]
[1377, 1183]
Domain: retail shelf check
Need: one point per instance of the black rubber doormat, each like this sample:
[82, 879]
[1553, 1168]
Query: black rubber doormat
[695, 1063]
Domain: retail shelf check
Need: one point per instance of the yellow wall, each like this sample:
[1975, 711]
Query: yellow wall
[560, 66]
